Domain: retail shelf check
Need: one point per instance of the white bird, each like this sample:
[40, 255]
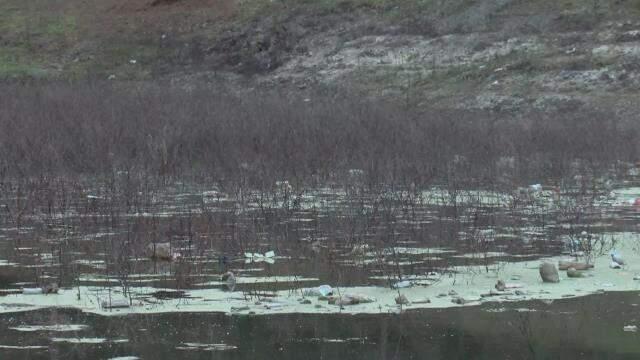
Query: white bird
[617, 258]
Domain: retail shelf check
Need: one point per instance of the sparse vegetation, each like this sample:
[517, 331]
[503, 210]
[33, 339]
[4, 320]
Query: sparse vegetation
[219, 155]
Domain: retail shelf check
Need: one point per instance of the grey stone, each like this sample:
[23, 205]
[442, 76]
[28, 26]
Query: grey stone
[549, 273]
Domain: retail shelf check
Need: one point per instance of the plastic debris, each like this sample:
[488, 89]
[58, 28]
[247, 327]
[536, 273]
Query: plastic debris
[535, 187]
[230, 279]
[32, 291]
[402, 284]
[267, 257]
[47, 289]
[115, 304]
[350, 299]
[630, 328]
[322, 290]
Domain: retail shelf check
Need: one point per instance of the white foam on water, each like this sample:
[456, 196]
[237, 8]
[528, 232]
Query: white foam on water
[57, 327]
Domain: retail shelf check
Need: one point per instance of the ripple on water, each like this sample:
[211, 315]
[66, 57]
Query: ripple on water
[206, 347]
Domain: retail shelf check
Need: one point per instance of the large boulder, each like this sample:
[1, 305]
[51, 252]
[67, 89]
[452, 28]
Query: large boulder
[549, 273]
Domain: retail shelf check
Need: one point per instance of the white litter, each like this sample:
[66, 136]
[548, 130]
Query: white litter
[322, 290]
[630, 328]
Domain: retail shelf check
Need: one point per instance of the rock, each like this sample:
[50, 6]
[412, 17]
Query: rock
[453, 293]
[549, 273]
[564, 265]
[402, 300]
[502, 286]
[520, 293]
[615, 265]
[442, 295]
[573, 273]
[305, 302]
[458, 300]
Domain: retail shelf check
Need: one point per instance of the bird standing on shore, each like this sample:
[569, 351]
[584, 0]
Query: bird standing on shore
[616, 258]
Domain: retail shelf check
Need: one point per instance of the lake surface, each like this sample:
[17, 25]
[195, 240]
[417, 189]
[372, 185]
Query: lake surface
[94, 241]
[584, 328]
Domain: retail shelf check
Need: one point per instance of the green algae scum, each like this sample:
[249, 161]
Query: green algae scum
[196, 272]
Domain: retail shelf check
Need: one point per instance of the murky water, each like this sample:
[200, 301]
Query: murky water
[584, 328]
[95, 243]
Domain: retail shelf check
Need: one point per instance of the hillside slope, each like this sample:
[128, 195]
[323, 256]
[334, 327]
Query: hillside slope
[504, 55]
